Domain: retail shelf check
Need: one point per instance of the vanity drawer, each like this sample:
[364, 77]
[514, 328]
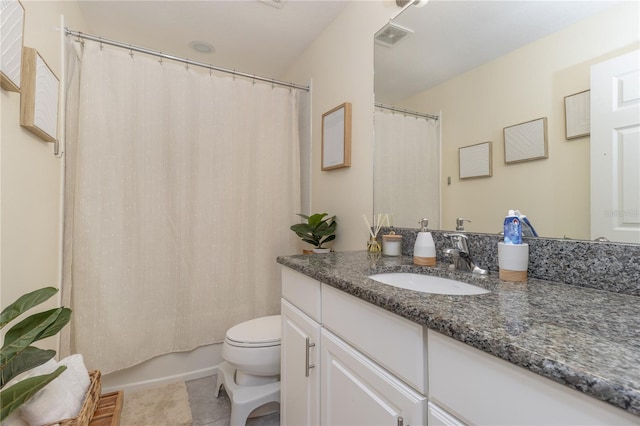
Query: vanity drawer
[396, 343]
[303, 292]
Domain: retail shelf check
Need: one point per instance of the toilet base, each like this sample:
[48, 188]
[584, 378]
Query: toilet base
[244, 399]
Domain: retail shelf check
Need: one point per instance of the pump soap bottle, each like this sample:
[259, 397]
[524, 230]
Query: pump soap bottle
[424, 250]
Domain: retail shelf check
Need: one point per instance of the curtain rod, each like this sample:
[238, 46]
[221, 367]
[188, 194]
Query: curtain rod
[179, 59]
[408, 112]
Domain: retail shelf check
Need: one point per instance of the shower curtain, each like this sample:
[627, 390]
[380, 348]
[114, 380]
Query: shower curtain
[407, 168]
[181, 186]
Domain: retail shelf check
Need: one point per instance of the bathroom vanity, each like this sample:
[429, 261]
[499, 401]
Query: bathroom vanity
[356, 351]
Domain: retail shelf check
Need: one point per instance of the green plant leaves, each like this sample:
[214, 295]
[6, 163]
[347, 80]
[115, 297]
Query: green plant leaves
[24, 303]
[27, 331]
[30, 357]
[14, 396]
[317, 227]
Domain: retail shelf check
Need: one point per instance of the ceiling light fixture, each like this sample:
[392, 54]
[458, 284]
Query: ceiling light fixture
[416, 3]
[201, 47]
[275, 3]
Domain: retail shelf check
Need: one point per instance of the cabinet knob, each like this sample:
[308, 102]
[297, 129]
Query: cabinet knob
[306, 363]
[400, 421]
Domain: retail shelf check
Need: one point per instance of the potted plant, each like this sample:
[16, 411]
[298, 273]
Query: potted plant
[320, 228]
[17, 355]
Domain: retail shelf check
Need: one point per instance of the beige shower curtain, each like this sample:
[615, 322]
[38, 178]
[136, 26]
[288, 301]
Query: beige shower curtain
[181, 187]
[408, 190]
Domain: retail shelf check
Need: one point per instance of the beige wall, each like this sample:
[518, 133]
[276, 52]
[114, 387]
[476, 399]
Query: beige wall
[30, 173]
[340, 65]
[476, 106]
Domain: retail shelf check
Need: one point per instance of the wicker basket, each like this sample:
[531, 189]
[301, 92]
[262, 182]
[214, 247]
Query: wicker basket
[89, 405]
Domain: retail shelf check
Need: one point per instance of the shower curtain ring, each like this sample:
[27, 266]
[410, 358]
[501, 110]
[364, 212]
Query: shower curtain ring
[160, 59]
[210, 70]
[130, 51]
[101, 45]
[253, 81]
[273, 83]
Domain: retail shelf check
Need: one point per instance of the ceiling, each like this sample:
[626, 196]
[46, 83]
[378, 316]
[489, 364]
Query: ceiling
[250, 36]
[452, 37]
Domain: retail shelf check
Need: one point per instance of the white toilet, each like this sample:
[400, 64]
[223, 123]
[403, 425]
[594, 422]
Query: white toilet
[250, 371]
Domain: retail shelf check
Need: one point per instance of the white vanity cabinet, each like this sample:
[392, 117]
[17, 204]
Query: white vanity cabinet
[479, 388]
[300, 356]
[356, 363]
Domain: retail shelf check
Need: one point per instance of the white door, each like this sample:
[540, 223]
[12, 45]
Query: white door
[615, 149]
[299, 370]
[356, 391]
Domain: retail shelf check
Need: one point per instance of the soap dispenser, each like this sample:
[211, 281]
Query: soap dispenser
[424, 250]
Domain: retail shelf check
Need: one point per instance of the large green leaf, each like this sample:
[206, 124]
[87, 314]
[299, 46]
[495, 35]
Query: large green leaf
[24, 303]
[62, 317]
[29, 358]
[29, 333]
[14, 396]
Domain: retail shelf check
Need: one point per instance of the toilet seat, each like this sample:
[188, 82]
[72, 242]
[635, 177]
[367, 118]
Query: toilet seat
[250, 371]
[256, 333]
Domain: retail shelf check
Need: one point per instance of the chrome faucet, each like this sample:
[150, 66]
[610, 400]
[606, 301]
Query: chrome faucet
[460, 256]
[460, 223]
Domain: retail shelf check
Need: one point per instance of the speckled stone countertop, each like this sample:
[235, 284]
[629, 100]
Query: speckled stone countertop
[584, 338]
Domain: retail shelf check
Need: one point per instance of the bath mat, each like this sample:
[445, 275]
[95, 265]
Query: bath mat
[165, 405]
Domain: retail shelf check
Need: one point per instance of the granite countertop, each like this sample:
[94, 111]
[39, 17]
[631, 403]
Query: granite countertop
[581, 337]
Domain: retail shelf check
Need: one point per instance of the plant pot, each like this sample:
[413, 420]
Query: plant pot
[321, 250]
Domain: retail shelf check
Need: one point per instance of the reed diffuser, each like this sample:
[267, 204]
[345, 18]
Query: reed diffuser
[373, 245]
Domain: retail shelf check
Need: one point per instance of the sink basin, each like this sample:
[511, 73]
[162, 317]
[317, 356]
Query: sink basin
[427, 283]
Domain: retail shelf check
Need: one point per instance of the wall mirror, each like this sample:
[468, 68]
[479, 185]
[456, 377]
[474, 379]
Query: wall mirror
[481, 66]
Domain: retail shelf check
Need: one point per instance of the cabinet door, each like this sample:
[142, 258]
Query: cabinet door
[439, 417]
[300, 365]
[356, 391]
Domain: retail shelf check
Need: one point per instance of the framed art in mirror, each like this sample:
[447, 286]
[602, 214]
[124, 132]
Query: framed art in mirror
[526, 141]
[11, 34]
[39, 99]
[336, 137]
[475, 160]
[577, 114]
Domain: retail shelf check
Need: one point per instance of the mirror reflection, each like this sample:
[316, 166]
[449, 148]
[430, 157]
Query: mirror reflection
[472, 68]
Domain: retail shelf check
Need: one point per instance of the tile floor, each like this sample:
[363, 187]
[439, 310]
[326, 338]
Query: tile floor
[208, 410]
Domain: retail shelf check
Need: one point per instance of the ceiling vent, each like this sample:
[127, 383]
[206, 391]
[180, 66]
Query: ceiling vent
[391, 34]
[275, 3]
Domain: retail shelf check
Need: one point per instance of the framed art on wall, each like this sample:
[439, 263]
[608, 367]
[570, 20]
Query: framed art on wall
[475, 160]
[336, 137]
[577, 114]
[11, 34]
[39, 99]
[526, 141]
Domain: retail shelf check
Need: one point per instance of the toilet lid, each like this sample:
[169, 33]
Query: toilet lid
[264, 330]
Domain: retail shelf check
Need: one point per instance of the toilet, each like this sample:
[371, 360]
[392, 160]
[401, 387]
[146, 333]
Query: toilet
[250, 371]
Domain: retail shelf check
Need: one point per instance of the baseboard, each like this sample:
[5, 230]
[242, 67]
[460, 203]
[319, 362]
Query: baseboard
[165, 369]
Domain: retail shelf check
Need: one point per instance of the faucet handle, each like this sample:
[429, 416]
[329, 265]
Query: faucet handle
[460, 223]
[459, 242]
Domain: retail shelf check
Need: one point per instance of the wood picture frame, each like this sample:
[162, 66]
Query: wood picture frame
[12, 36]
[39, 99]
[475, 160]
[336, 137]
[577, 115]
[526, 141]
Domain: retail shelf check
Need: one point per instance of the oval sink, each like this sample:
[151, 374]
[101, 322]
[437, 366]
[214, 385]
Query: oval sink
[427, 283]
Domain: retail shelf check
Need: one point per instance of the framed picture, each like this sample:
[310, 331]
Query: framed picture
[39, 103]
[11, 34]
[336, 137]
[475, 160]
[577, 114]
[526, 141]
